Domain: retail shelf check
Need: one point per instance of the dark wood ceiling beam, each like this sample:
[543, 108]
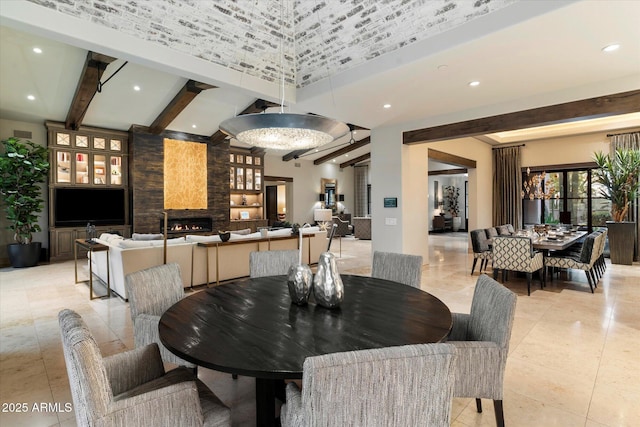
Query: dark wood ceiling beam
[448, 172]
[258, 106]
[603, 106]
[294, 154]
[94, 66]
[344, 150]
[452, 159]
[189, 91]
[355, 160]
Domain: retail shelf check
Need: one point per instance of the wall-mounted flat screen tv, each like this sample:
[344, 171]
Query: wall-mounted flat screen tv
[79, 206]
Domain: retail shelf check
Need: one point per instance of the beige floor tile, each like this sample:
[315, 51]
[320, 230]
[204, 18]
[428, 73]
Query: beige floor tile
[573, 354]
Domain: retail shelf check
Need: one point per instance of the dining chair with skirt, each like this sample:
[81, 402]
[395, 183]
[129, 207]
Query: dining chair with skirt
[408, 385]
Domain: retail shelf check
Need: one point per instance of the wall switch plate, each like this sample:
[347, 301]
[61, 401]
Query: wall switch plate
[391, 221]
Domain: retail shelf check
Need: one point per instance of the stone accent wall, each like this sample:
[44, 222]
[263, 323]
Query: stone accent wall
[330, 35]
[146, 181]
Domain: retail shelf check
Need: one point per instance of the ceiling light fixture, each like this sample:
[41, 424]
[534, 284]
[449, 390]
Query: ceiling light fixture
[136, 88]
[37, 50]
[283, 131]
[31, 97]
[611, 48]
[386, 106]
[474, 83]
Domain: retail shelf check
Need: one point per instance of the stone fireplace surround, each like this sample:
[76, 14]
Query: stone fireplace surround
[146, 182]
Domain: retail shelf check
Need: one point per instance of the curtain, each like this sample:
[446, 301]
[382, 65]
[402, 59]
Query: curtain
[629, 141]
[361, 180]
[507, 186]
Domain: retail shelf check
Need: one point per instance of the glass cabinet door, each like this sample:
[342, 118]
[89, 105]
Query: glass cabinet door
[248, 179]
[239, 179]
[63, 167]
[99, 169]
[232, 177]
[116, 170]
[257, 175]
[82, 168]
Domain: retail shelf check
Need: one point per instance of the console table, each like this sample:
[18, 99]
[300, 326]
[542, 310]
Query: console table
[92, 247]
[442, 223]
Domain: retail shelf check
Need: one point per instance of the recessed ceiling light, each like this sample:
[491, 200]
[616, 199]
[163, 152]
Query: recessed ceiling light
[31, 97]
[136, 88]
[334, 160]
[387, 105]
[474, 83]
[194, 126]
[611, 48]
[442, 67]
[37, 50]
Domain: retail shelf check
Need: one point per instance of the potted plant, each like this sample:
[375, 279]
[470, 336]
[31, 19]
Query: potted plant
[452, 194]
[23, 168]
[618, 175]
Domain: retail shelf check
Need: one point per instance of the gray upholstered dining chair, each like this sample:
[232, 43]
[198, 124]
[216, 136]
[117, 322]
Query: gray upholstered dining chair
[272, 263]
[481, 249]
[515, 253]
[402, 268]
[132, 388]
[482, 339]
[151, 292]
[395, 386]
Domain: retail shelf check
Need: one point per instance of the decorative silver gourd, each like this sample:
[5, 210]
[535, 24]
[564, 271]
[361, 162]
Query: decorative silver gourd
[299, 281]
[328, 289]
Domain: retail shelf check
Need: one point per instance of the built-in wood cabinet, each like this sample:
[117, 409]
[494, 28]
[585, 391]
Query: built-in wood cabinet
[246, 196]
[88, 183]
[86, 158]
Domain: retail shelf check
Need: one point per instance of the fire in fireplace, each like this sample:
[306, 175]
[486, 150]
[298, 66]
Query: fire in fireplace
[192, 225]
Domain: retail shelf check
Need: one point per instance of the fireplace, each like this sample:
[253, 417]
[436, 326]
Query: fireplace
[190, 225]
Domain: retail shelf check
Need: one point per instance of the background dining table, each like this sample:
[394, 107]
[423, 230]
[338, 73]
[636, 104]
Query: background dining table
[251, 328]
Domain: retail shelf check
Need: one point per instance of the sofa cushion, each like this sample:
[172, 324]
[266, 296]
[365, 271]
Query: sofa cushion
[125, 244]
[280, 233]
[110, 237]
[242, 232]
[203, 239]
[147, 236]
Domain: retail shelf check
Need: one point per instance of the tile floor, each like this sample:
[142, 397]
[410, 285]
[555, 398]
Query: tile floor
[573, 356]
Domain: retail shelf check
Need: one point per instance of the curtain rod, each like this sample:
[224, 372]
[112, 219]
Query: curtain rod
[508, 146]
[609, 135]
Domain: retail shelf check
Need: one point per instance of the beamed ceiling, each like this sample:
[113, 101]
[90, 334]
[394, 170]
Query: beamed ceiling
[199, 63]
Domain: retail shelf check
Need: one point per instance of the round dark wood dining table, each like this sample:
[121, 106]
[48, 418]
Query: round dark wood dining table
[251, 328]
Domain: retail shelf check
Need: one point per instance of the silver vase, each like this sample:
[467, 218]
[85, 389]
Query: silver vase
[299, 281]
[328, 289]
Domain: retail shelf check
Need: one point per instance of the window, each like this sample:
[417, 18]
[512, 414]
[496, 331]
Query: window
[565, 196]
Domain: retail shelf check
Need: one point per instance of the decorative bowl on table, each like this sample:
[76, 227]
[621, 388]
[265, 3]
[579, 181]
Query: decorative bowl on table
[224, 235]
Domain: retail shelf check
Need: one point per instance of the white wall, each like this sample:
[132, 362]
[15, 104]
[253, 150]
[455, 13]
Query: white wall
[306, 184]
[566, 150]
[39, 136]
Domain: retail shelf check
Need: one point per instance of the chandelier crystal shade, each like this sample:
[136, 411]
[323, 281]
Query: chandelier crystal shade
[283, 131]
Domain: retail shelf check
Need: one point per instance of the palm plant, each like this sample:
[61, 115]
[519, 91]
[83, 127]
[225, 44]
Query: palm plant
[618, 175]
[23, 167]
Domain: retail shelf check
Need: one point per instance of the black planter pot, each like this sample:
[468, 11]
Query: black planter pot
[621, 240]
[22, 256]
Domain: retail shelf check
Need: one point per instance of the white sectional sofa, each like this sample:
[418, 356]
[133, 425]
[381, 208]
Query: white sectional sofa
[226, 260]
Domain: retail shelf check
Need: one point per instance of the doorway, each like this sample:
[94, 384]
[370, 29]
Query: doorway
[278, 199]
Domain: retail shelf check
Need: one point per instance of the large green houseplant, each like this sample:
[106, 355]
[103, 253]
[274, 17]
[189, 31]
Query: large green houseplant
[618, 175]
[24, 166]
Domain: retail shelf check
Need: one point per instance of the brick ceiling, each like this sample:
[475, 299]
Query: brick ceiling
[322, 37]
